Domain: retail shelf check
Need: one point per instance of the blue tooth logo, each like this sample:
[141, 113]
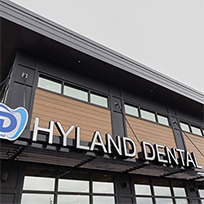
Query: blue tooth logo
[12, 122]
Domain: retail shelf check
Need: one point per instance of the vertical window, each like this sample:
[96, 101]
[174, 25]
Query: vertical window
[99, 100]
[143, 191]
[184, 127]
[196, 130]
[73, 188]
[161, 191]
[49, 84]
[33, 185]
[180, 194]
[201, 193]
[131, 110]
[75, 93]
[163, 120]
[148, 115]
[103, 189]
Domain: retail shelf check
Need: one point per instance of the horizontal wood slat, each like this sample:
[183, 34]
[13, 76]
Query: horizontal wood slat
[199, 142]
[50, 106]
[150, 132]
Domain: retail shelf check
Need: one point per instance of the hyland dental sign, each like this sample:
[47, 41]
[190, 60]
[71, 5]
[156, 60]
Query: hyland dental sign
[119, 146]
[12, 122]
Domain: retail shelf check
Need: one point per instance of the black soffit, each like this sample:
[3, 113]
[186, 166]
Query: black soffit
[44, 33]
[78, 160]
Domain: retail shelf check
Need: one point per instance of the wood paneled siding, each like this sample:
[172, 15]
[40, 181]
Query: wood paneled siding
[150, 132]
[50, 106]
[199, 142]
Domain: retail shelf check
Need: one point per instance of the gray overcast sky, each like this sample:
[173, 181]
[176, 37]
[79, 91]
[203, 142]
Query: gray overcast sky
[165, 35]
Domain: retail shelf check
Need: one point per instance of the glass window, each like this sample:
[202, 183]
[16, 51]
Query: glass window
[163, 120]
[164, 200]
[196, 130]
[201, 192]
[179, 191]
[69, 185]
[184, 127]
[50, 85]
[103, 187]
[37, 198]
[141, 189]
[103, 200]
[99, 100]
[38, 183]
[131, 110]
[162, 191]
[75, 93]
[144, 200]
[148, 115]
[181, 201]
[73, 199]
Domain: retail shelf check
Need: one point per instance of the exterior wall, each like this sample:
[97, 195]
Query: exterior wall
[151, 132]
[199, 143]
[50, 106]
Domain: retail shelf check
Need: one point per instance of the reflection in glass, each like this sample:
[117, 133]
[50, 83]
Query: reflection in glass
[181, 201]
[75, 93]
[144, 200]
[103, 200]
[49, 85]
[73, 199]
[131, 110]
[178, 191]
[99, 100]
[103, 187]
[73, 185]
[141, 189]
[162, 191]
[28, 198]
[196, 130]
[148, 115]
[201, 192]
[163, 120]
[185, 127]
[38, 183]
[164, 201]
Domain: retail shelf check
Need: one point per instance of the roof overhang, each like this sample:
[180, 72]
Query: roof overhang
[24, 151]
[29, 31]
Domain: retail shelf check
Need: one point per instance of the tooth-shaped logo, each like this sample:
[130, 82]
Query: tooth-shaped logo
[12, 122]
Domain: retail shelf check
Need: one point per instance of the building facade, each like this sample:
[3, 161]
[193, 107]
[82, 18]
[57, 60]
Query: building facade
[100, 127]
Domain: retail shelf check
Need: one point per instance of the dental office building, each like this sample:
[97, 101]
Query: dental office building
[101, 128]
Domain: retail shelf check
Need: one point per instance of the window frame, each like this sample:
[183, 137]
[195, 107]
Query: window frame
[56, 192]
[64, 83]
